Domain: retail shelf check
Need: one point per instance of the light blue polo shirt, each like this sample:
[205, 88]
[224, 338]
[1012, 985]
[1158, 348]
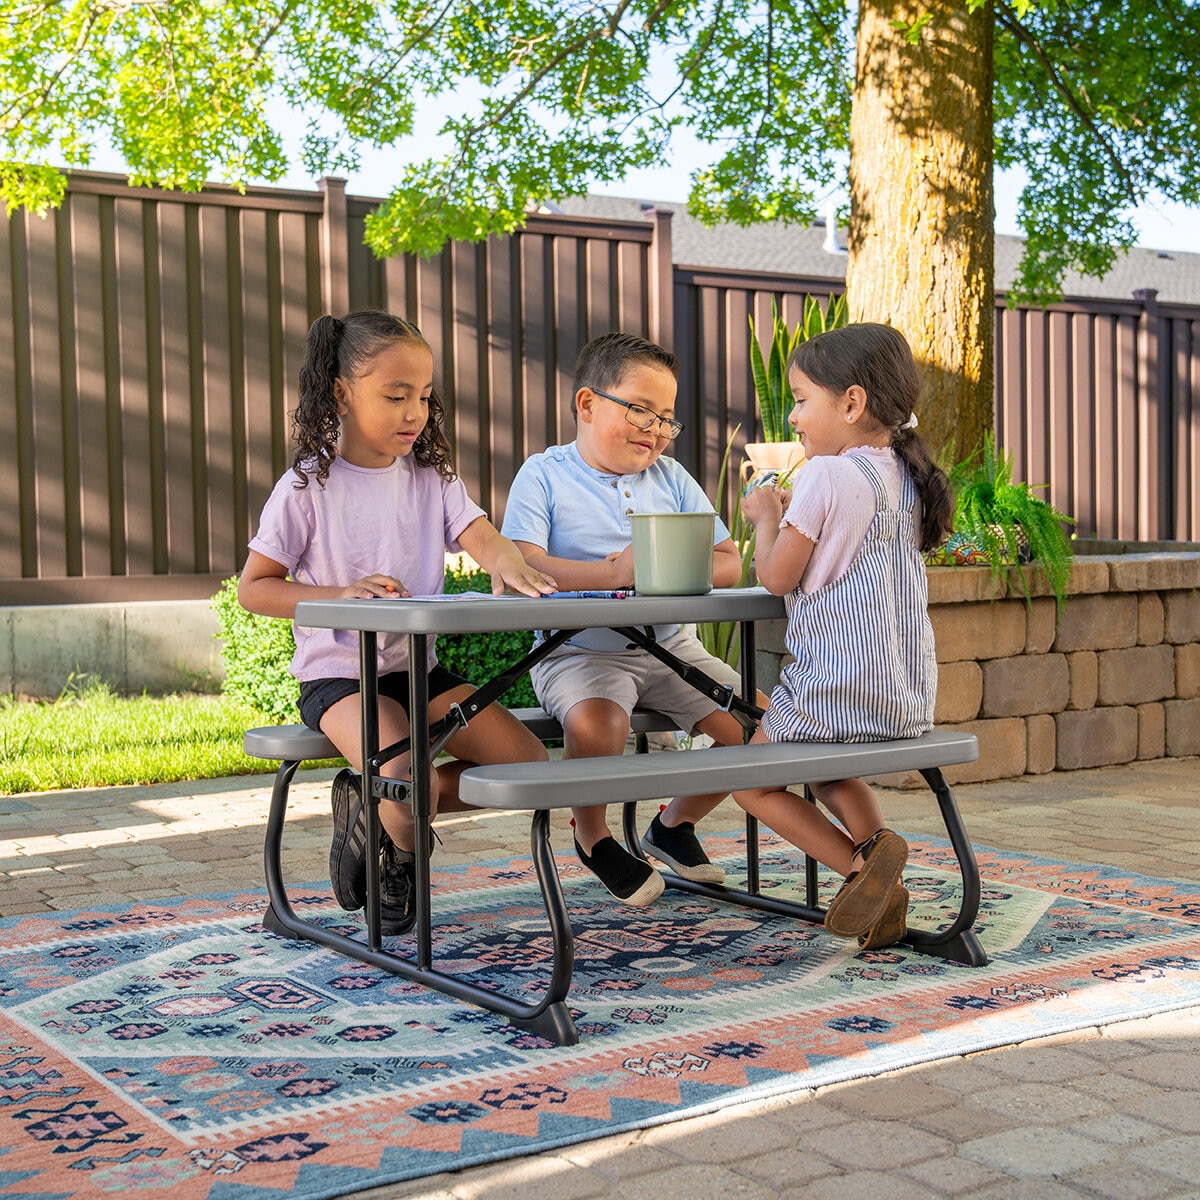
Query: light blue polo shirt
[557, 501]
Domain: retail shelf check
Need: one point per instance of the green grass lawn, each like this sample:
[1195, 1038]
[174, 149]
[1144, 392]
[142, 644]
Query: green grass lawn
[90, 737]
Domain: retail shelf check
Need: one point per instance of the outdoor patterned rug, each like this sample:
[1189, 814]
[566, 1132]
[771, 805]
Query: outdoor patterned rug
[177, 1047]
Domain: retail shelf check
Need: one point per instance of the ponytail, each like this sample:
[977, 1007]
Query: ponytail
[315, 423]
[932, 484]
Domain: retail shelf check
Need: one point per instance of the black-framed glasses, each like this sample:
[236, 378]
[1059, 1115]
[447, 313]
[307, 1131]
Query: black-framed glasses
[641, 417]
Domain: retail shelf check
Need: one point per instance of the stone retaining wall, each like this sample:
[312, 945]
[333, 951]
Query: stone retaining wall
[1116, 678]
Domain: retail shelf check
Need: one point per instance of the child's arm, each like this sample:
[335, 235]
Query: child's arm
[605, 574]
[265, 588]
[727, 564]
[503, 560]
[780, 555]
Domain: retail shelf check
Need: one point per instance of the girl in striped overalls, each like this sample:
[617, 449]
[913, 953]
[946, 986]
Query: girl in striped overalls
[847, 555]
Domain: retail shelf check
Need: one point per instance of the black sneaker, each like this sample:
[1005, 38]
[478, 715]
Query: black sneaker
[348, 850]
[681, 851]
[397, 890]
[628, 878]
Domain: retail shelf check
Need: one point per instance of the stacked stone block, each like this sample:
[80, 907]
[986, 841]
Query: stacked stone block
[1114, 678]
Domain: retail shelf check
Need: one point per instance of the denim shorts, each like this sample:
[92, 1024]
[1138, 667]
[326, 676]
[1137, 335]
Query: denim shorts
[318, 696]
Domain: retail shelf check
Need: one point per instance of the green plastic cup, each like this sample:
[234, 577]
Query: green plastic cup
[673, 553]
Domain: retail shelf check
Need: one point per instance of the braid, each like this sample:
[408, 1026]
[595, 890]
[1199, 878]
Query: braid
[932, 484]
[315, 419]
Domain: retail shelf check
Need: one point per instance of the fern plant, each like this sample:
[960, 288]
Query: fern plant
[1003, 517]
[770, 374]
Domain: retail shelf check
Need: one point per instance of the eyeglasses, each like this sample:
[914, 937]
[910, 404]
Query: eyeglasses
[641, 417]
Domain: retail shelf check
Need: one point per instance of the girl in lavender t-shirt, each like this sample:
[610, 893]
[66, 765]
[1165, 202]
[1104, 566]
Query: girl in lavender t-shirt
[368, 511]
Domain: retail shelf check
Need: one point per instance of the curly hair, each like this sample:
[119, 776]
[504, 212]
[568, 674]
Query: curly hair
[342, 348]
[878, 359]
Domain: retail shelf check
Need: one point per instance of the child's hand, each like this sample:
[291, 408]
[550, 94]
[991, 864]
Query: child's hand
[764, 504]
[375, 587]
[622, 566]
[520, 577]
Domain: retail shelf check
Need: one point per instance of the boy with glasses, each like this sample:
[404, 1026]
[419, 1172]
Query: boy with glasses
[569, 513]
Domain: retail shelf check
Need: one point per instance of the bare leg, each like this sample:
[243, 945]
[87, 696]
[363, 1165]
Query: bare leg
[492, 736]
[803, 824]
[593, 728]
[725, 730]
[342, 725]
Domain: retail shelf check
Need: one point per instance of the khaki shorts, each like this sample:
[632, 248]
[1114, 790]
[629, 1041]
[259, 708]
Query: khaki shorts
[632, 679]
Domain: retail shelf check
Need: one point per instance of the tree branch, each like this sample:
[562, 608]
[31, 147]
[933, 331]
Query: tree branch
[1005, 17]
[42, 94]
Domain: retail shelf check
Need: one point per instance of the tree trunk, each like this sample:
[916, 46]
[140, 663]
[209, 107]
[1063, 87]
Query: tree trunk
[922, 239]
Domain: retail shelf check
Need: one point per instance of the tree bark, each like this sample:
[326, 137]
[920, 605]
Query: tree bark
[922, 225]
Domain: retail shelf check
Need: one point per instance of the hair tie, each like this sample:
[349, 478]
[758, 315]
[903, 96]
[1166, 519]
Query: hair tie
[911, 423]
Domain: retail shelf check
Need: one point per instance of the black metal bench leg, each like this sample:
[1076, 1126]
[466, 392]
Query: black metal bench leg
[554, 1023]
[958, 941]
[277, 901]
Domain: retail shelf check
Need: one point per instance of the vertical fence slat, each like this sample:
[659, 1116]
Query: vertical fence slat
[175, 372]
[297, 304]
[138, 496]
[1185, 379]
[1083, 502]
[470, 399]
[632, 295]
[12, 527]
[46, 394]
[1104, 423]
[152, 284]
[565, 335]
[1036, 405]
[600, 306]
[218, 397]
[68, 375]
[537, 358]
[1059, 406]
[257, 460]
[1123, 464]
[500, 363]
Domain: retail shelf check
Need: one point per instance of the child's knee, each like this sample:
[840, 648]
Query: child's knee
[724, 728]
[595, 728]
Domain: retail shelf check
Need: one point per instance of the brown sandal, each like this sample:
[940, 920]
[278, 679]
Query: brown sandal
[892, 926]
[867, 892]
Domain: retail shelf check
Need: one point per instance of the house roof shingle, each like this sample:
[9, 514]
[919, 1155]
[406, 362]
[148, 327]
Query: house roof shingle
[798, 250]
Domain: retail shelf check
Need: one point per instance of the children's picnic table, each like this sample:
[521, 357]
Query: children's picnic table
[587, 781]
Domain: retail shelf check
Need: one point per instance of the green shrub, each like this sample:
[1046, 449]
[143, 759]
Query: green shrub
[257, 651]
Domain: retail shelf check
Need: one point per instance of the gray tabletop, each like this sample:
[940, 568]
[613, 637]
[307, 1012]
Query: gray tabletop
[499, 614]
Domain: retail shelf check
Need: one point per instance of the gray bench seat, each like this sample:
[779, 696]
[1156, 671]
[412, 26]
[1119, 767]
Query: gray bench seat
[298, 743]
[569, 783]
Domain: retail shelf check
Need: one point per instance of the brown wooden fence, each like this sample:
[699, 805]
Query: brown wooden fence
[152, 340]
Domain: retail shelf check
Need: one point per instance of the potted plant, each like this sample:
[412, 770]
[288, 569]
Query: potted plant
[1001, 522]
[780, 450]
